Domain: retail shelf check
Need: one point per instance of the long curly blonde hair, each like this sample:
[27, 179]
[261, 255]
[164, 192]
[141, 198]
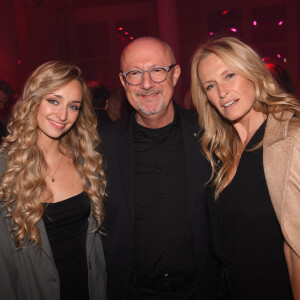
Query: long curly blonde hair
[220, 140]
[23, 181]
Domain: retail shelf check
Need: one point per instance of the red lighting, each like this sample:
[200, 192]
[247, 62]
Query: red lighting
[254, 23]
[211, 33]
[120, 28]
[126, 32]
[280, 23]
[19, 62]
[278, 55]
[270, 66]
[131, 38]
[233, 29]
[225, 12]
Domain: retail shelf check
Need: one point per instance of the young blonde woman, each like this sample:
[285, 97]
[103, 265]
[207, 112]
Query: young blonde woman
[51, 192]
[252, 141]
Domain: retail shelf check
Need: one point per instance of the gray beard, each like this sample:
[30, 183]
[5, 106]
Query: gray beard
[145, 112]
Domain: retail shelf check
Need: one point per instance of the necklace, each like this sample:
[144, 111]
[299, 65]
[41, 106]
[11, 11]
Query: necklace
[239, 151]
[52, 177]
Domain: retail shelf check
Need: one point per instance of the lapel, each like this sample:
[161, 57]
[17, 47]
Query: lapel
[126, 163]
[276, 131]
[195, 174]
[277, 151]
[46, 248]
[90, 234]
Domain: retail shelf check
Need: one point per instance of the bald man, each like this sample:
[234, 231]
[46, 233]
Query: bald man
[157, 241]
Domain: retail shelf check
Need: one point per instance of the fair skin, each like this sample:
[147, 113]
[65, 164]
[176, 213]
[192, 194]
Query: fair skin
[152, 101]
[232, 95]
[57, 113]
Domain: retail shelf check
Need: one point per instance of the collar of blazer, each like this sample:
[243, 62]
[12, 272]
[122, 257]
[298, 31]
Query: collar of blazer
[277, 130]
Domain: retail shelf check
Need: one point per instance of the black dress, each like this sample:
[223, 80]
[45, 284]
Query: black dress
[246, 234]
[66, 223]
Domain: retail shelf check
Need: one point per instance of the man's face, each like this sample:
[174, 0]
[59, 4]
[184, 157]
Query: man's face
[149, 99]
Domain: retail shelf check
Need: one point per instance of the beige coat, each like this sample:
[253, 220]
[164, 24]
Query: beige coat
[281, 158]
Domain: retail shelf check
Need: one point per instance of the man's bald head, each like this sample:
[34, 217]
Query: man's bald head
[150, 42]
[152, 100]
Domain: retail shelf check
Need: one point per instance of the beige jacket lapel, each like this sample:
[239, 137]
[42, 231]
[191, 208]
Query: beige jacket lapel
[281, 159]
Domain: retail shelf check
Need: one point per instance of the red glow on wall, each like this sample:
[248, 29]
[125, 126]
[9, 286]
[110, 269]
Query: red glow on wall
[19, 62]
[225, 12]
[120, 28]
[233, 29]
[280, 23]
[270, 65]
[126, 32]
[131, 38]
[254, 23]
[211, 33]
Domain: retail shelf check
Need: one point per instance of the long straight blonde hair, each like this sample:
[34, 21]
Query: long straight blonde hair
[220, 140]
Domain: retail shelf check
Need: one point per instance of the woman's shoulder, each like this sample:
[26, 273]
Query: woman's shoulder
[281, 126]
[294, 127]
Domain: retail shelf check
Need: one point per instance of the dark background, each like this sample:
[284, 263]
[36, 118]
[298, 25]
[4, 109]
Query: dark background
[88, 32]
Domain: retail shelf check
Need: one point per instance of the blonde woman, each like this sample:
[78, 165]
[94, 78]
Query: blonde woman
[252, 141]
[51, 192]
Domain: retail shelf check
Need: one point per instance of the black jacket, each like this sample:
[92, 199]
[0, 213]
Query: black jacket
[119, 224]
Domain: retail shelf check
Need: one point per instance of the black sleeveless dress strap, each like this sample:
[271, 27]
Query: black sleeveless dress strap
[66, 224]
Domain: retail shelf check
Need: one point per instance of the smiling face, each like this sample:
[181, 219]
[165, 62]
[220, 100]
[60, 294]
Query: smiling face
[152, 101]
[58, 111]
[231, 94]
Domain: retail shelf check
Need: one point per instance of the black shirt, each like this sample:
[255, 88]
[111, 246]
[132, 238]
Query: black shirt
[162, 241]
[66, 224]
[246, 233]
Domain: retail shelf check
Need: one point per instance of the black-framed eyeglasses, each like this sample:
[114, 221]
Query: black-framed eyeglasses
[157, 74]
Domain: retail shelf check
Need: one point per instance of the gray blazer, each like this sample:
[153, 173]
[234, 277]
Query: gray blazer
[32, 275]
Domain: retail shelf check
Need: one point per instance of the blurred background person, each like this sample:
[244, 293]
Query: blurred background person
[118, 108]
[100, 98]
[7, 100]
